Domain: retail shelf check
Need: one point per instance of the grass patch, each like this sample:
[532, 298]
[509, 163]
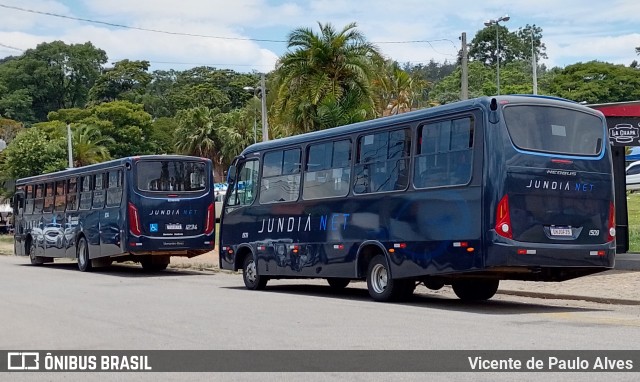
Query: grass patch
[6, 239]
[633, 207]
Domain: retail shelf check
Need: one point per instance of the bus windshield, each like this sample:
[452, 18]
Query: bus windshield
[554, 130]
[171, 175]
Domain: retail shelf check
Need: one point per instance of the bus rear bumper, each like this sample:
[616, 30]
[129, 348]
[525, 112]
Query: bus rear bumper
[175, 246]
[548, 262]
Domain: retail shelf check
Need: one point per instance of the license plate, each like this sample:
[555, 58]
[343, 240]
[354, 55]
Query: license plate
[174, 226]
[555, 231]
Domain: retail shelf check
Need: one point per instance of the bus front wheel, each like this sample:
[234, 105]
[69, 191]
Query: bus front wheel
[252, 280]
[475, 290]
[35, 260]
[84, 262]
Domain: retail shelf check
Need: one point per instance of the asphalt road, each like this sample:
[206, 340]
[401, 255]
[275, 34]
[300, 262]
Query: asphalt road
[57, 307]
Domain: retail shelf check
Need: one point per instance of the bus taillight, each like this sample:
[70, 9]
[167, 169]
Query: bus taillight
[134, 220]
[503, 218]
[611, 232]
[208, 229]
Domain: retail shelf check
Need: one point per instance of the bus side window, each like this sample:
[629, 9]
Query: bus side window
[60, 198]
[443, 155]
[114, 190]
[328, 170]
[280, 176]
[48, 197]
[244, 188]
[98, 191]
[85, 194]
[382, 164]
[29, 202]
[72, 194]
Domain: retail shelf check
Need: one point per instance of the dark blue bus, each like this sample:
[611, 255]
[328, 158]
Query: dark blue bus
[143, 209]
[465, 194]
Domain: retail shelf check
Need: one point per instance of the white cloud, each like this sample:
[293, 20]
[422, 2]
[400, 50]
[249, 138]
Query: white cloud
[572, 30]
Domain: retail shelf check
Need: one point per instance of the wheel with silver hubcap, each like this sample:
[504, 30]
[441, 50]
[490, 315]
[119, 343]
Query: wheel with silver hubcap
[84, 262]
[252, 280]
[379, 282]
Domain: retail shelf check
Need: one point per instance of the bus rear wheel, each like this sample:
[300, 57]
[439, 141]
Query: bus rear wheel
[84, 262]
[338, 283]
[380, 284]
[252, 280]
[154, 263]
[475, 290]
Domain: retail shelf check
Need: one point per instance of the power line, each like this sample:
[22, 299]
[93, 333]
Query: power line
[134, 28]
[201, 35]
[11, 47]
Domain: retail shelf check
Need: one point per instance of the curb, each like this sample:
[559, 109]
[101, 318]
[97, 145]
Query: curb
[552, 296]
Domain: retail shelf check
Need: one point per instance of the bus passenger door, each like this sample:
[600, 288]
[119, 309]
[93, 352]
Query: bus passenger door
[238, 221]
[111, 216]
[17, 223]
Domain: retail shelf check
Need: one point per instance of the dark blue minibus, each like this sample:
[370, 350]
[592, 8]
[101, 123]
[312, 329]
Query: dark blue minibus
[143, 209]
[465, 194]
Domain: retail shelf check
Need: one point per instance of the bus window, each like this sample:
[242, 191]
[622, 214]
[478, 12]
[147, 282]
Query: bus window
[244, 188]
[28, 209]
[72, 194]
[443, 154]
[48, 197]
[281, 176]
[171, 175]
[328, 170]
[85, 194]
[98, 192]
[383, 162]
[114, 190]
[554, 130]
[60, 200]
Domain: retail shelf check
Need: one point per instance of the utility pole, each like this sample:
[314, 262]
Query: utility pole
[69, 144]
[465, 68]
[265, 121]
[534, 65]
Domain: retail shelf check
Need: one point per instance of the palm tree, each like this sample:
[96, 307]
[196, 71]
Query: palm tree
[321, 68]
[89, 145]
[198, 135]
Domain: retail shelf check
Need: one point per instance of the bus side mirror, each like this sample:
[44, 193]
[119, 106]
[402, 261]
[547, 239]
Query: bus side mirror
[493, 114]
[231, 174]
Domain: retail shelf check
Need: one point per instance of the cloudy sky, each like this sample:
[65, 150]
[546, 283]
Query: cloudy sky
[249, 35]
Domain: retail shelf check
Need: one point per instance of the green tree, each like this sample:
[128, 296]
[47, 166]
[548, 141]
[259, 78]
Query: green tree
[52, 76]
[89, 145]
[163, 135]
[124, 81]
[596, 82]
[32, 152]
[127, 123]
[513, 46]
[325, 69]
[198, 134]
[9, 129]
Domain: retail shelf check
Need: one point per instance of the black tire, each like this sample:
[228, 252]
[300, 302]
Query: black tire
[379, 283]
[475, 290]
[84, 261]
[35, 260]
[150, 264]
[252, 280]
[408, 287]
[338, 283]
